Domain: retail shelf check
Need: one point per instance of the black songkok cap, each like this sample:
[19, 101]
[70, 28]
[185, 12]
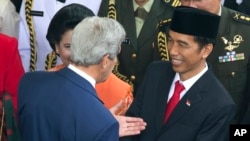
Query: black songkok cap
[196, 22]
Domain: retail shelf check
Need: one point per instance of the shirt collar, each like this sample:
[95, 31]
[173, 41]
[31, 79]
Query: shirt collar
[189, 82]
[83, 74]
[147, 5]
[220, 11]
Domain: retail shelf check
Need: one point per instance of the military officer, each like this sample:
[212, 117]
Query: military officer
[137, 51]
[35, 17]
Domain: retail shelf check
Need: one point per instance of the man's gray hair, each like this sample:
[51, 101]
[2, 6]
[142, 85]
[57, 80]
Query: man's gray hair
[95, 37]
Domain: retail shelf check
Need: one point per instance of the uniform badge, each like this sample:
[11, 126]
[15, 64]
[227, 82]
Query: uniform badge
[36, 13]
[231, 45]
[173, 3]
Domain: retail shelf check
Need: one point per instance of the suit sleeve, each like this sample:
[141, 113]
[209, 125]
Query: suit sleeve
[110, 133]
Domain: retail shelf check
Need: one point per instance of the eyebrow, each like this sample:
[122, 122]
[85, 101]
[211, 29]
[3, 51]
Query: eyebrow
[178, 41]
[182, 42]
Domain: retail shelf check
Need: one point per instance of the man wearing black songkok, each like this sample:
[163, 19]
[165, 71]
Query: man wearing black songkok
[202, 110]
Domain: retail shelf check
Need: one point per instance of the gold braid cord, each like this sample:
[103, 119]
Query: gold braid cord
[50, 60]
[29, 20]
[112, 14]
[122, 77]
[174, 3]
[162, 40]
[112, 10]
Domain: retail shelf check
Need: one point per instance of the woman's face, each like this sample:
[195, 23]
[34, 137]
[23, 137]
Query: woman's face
[63, 47]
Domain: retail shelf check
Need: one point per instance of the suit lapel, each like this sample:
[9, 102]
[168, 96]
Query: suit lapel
[223, 32]
[224, 24]
[128, 21]
[149, 26]
[191, 98]
[162, 98]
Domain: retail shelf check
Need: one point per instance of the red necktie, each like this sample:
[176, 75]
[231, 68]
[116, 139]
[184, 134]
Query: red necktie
[174, 100]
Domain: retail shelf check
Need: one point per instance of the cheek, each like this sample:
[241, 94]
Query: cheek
[65, 54]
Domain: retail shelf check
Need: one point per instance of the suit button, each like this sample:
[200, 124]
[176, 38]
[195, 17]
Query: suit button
[133, 55]
[132, 77]
[232, 74]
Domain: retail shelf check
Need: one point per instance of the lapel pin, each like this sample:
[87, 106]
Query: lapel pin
[188, 103]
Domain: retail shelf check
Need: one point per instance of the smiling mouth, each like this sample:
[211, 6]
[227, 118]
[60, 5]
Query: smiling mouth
[176, 62]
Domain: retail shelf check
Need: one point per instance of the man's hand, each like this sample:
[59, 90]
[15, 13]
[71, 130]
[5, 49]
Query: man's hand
[128, 125]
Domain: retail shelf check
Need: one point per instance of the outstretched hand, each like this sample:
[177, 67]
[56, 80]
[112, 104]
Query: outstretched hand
[128, 125]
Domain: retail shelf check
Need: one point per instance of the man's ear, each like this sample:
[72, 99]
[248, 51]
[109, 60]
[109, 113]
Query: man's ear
[206, 50]
[104, 61]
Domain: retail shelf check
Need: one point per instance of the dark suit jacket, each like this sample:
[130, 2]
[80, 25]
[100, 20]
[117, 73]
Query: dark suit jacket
[234, 31]
[203, 114]
[62, 106]
[137, 54]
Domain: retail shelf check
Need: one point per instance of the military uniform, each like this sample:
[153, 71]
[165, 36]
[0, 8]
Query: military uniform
[136, 53]
[230, 57]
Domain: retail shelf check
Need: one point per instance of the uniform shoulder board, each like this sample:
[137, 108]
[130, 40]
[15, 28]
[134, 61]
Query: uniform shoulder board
[173, 3]
[163, 23]
[241, 17]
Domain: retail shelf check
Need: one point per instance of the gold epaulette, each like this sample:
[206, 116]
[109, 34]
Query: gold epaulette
[162, 39]
[163, 23]
[241, 17]
[119, 75]
[173, 3]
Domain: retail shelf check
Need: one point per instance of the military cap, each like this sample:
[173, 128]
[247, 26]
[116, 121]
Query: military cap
[196, 22]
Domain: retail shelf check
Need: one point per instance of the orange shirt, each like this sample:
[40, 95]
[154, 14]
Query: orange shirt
[112, 91]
